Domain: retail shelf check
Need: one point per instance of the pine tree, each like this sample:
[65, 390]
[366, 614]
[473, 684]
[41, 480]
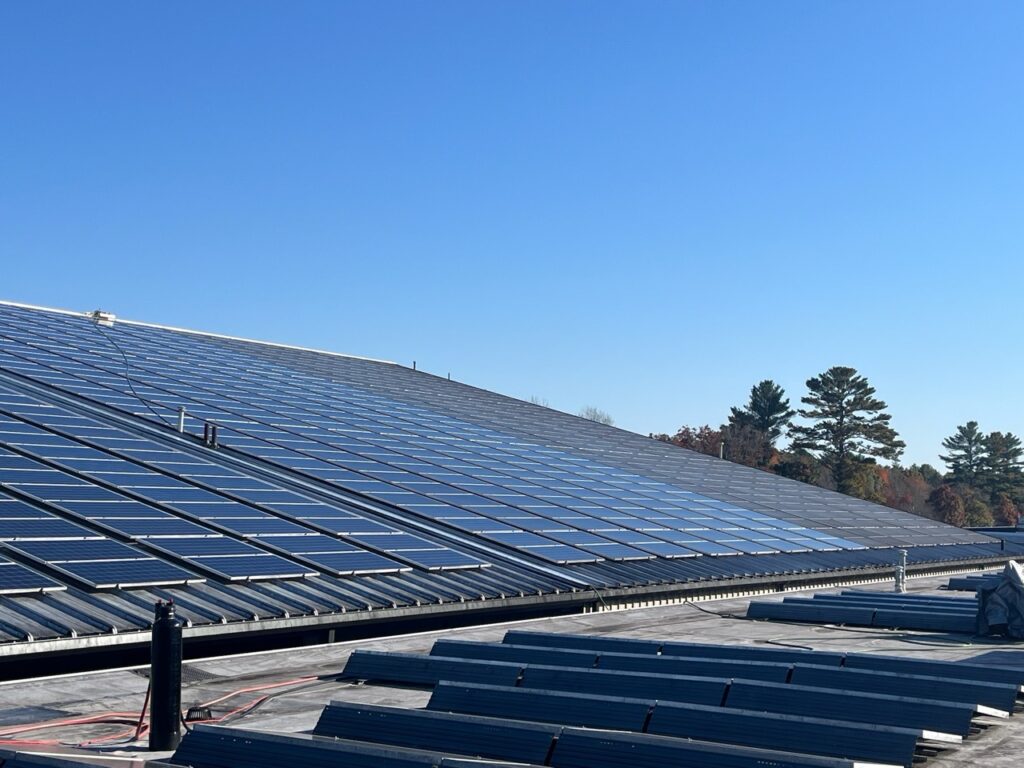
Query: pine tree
[767, 411]
[966, 454]
[848, 425]
[1002, 470]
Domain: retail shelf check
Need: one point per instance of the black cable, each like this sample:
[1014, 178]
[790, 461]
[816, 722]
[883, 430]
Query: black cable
[786, 645]
[127, 376]
[713, 613]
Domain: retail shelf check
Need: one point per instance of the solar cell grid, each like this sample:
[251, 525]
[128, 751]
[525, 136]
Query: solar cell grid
[18, 579]
[12, 529]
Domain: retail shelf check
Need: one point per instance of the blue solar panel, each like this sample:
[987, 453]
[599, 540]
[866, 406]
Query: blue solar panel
[210, 545]
[249, 566]
[40, 528]
[66, 492]
[126, 572]
[88, 549]
[266, 524]
[147, 527]
[355, 562]
[108, 509]
[15, 578]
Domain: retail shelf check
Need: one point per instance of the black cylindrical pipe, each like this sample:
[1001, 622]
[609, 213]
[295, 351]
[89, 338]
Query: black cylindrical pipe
[165, 679]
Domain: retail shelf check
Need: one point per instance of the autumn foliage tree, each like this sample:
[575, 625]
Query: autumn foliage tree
[1007, 512]
[949, 505]
[703, 439]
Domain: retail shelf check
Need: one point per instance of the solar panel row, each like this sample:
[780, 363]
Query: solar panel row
[862, 707]
[217, 494]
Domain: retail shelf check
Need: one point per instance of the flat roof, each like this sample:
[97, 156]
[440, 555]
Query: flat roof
[295, 708]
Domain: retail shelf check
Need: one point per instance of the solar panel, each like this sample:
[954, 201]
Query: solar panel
[12, 529]
[882, 744]
[415, 669]
[77, 551]
[251, 566]
[442, 731]
[17, 579]
[540, 706]
[206, 747]
[159, 528]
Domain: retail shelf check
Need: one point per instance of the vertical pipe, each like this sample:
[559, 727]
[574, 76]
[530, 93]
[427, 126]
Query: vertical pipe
[901, 572]
[181, 418]
[165, 679]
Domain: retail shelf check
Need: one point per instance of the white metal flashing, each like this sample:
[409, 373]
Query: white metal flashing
[22, 305]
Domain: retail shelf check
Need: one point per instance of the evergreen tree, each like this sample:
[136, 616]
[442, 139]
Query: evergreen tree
[1002, 470]
[966, 454]
[930, 474]
[848, 425]
[767, 411]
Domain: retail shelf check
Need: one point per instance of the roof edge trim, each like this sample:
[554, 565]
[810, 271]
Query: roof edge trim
[277, 344]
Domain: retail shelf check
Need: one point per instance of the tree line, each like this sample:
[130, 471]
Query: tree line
[844, 433]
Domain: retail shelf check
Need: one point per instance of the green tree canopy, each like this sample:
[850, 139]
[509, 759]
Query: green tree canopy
[767, 411]
[965, 454]
[1002, 470]
[979, 514]
[848, 425]
[931, 475]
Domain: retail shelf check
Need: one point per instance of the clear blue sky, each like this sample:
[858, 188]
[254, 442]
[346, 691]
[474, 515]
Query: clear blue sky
[646, 207]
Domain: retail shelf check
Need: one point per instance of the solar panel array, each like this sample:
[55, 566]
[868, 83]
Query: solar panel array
[527, 701]
[367, 482]
[872, 609]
